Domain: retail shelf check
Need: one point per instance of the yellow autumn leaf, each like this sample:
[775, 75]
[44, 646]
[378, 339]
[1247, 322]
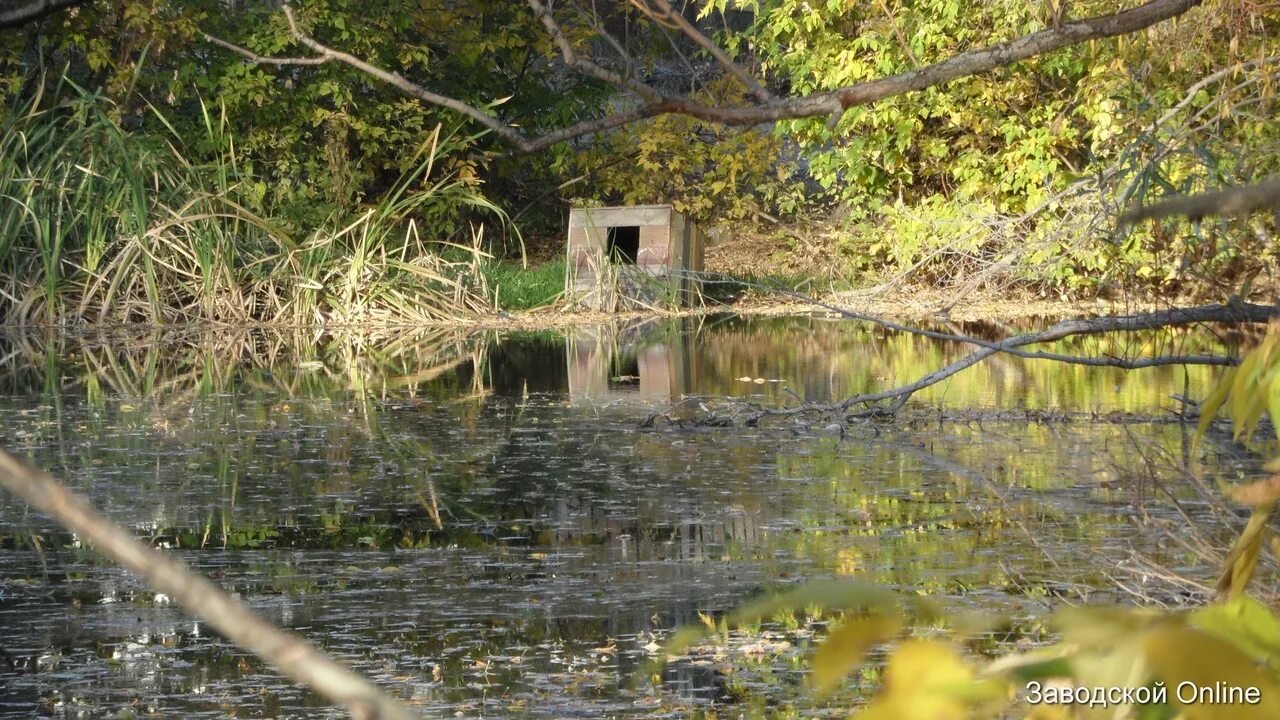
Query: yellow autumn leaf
[844, 648]
[1214, 402]
[1244, 622]
[1189, 660]
[927, 680]
[1243, 558]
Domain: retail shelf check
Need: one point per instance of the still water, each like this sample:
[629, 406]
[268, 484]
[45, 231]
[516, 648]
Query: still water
[485, 523]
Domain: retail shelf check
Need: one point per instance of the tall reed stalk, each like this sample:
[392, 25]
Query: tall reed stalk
[101, 225]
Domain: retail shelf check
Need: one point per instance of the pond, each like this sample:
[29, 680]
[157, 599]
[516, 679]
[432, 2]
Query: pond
[487, 523]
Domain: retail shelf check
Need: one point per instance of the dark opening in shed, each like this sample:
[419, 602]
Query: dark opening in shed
[624, 244]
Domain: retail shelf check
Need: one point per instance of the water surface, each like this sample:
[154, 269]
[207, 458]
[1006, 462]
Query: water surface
[482, 523]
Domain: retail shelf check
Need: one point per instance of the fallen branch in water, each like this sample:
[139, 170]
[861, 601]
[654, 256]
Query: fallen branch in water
[1233, 313]
[1001, 346]
[230, 616]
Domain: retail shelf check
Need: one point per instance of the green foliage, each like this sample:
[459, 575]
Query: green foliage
[712, 173]
[318, 139]
[1024, 162]
[1039, 151]
[902, 236]
[516, 287]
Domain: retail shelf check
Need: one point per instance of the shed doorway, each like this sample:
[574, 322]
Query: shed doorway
[623, 244]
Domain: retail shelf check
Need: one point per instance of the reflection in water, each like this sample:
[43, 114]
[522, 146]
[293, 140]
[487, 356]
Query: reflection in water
[649, 361]
[479, 522]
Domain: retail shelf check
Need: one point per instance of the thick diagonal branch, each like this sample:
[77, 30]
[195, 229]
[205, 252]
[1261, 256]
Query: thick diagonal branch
[1232, 202]
[828, 103]
[292, 655]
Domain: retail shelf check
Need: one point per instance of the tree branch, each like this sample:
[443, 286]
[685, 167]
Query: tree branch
[230, 616]
[263, 59]
[326, 54]
[829, 103]
[1000, 346]
[704, 42]
[586, 67]
[32, 11]
[1232, 202]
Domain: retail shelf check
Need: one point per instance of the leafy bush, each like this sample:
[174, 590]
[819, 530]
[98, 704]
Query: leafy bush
[714, 174]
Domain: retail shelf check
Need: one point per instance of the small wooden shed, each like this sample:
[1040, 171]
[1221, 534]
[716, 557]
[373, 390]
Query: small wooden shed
[628, 257]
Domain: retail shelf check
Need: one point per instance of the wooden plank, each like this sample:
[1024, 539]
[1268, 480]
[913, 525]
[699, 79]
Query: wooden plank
[620, 216]
[654, 246]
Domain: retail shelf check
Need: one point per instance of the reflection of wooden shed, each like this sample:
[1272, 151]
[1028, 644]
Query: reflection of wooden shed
[610, 363]
[638, 256]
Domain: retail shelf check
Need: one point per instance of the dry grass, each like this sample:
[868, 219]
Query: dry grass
[105, 227]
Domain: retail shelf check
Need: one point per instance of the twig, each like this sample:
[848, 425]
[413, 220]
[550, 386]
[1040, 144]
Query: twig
[739, 74]
[586, 67]
[230, 616]
[327, 54]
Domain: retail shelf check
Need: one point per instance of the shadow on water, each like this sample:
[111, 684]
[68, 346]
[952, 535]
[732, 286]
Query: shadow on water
[479, 521]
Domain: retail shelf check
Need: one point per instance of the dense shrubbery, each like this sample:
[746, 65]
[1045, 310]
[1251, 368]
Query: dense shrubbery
[969, 172]
[1015, 174]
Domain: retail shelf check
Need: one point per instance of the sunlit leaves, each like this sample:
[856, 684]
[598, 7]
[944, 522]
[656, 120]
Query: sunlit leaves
[713, 173]
[1185, 655]
[1246, 392]
[846, 646]
[1245, 623]
[1242, 561]
[1177, 659]
[927, 680]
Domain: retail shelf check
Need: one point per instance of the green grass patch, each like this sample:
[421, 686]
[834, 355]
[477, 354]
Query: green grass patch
[519, 288]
